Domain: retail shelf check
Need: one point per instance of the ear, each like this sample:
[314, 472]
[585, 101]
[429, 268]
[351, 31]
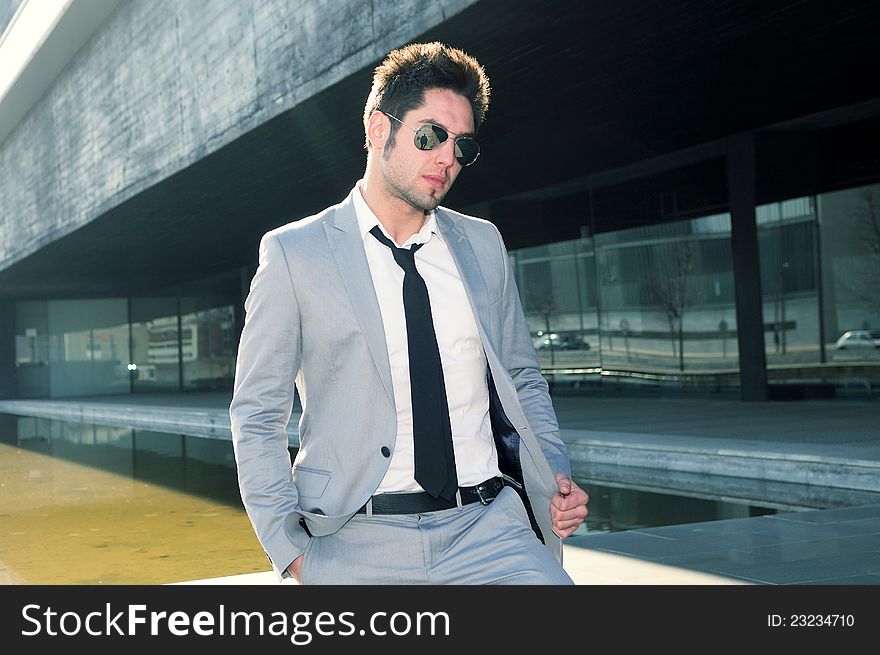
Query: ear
[378, 129]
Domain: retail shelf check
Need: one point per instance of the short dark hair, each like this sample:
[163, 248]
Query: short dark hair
[400, 81]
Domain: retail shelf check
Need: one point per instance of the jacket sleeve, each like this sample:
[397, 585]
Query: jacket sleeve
[519, 358]
[269, 357]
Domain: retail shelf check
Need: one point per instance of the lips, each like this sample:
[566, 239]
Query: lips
[435, 181]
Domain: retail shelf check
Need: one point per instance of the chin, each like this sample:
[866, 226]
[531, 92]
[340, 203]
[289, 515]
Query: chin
[425, 203]
[425, 208]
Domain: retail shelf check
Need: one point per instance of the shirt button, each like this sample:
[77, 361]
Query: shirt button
[386, 452]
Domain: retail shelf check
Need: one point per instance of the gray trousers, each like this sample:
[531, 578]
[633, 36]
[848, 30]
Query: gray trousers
[473, 544]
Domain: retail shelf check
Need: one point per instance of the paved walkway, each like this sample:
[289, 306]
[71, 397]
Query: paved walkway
[826, 449]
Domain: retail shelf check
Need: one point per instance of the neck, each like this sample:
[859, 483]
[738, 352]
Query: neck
[400, 219]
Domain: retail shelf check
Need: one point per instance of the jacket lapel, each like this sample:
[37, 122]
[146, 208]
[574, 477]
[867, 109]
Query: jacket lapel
[468, 267]
[347, 247]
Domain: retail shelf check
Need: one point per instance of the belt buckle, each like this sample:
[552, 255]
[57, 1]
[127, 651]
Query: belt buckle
[481, 489]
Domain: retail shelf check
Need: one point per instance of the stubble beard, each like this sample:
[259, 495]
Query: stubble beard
[394, 185]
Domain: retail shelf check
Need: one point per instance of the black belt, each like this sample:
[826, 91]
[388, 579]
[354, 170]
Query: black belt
[416, 503]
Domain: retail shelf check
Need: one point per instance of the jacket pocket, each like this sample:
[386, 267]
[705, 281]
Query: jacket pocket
[310, 483]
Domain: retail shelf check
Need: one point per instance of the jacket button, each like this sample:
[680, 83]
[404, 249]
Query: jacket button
[386, 452]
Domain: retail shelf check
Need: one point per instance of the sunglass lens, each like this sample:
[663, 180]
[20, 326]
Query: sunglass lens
[428, 137]
[466, 150]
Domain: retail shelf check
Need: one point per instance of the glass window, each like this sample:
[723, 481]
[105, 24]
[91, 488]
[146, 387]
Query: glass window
[88, 347]
[32, 349]
[667, 300]
[208, 334]
[557, 286]
[656, 302]
[207, 339]
[787, 249]
[155, 344]
[849, 226]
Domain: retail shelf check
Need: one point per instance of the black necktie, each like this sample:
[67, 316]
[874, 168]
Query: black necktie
[432, 433]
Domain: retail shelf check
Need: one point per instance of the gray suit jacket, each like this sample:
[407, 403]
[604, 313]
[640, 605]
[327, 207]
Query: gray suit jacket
[313, 319]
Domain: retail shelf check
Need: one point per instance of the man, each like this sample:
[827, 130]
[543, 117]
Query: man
[429, 449]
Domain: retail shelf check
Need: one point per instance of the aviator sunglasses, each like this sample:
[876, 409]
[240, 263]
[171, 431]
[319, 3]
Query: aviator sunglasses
[429, 137]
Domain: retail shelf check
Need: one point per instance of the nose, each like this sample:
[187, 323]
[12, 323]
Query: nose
[445, 153]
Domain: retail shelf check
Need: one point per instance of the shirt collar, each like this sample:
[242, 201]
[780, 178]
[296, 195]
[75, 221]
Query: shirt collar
[367, 220]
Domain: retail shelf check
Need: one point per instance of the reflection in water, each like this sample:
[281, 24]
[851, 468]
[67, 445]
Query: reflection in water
[85, 504]
[91, 504]
[613, 509]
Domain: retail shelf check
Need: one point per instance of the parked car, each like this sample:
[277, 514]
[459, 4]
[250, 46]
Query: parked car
[854, 339]
[560, 342]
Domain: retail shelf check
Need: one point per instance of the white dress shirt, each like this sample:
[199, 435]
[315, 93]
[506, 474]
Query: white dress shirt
[461, 353]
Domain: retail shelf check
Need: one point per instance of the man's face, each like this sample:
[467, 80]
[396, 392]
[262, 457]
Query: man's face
[422, 178]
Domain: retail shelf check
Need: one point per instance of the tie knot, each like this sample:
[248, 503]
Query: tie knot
[405, 257]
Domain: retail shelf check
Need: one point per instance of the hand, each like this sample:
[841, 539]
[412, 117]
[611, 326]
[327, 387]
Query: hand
[568, 508]
[294, 568]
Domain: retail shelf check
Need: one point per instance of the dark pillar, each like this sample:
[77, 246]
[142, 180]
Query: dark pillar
[746, 267]
[7, 350]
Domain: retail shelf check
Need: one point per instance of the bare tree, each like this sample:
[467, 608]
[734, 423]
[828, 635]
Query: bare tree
[864, 277]
[669, 287]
